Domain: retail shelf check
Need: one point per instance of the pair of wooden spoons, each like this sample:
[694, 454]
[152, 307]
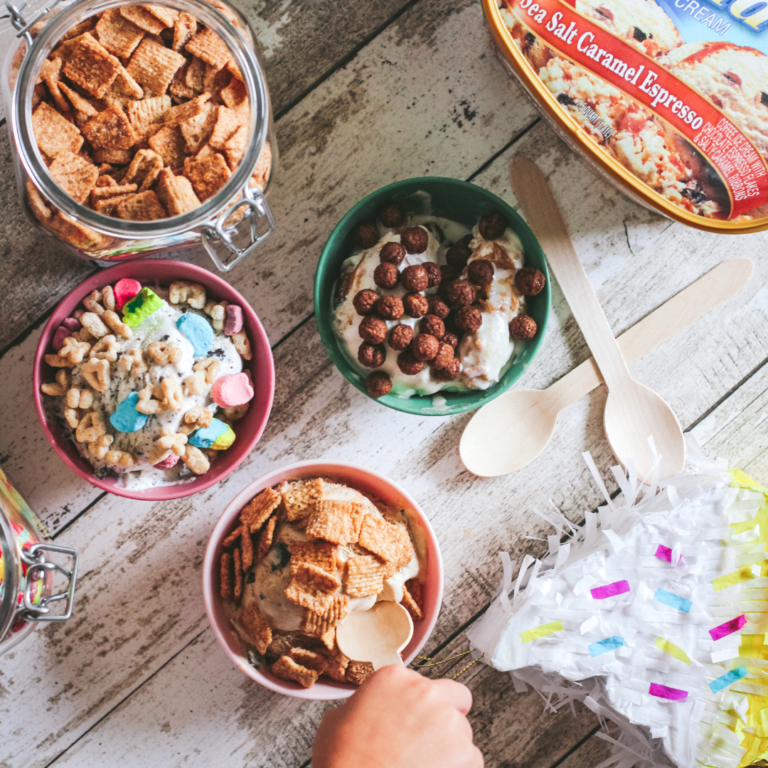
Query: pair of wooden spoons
[511, 431]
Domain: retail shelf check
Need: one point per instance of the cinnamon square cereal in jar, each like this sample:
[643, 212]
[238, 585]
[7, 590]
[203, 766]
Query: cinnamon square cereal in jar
[140, 128]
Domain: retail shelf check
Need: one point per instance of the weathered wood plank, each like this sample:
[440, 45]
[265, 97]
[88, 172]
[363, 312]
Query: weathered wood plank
[255, 727]
[389, 114]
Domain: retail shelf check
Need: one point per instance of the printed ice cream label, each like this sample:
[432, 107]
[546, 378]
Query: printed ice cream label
[732, 169]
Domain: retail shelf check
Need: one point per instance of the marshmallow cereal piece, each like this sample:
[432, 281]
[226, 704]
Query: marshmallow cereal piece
[207, 436]
[138, 309]
[231, 391]
[183, 292]
[124, 290]
[198, 331]
[59, 335]
[169, 461]
[234, 321]
[224, 440]
[59, 389]
[71, 324]
[126, 418]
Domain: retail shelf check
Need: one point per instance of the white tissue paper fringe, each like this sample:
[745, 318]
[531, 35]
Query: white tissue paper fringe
[648, 637]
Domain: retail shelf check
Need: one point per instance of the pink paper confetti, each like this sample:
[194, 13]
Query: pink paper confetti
[609, 590]
[734, 625]
[665, 554]
[665, 692]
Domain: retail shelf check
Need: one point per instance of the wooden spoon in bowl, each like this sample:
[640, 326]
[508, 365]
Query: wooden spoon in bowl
[377, 635]
[633, 412]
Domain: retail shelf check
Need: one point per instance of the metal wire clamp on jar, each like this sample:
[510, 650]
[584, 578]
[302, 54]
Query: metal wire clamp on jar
[26, 571]
[231, 224]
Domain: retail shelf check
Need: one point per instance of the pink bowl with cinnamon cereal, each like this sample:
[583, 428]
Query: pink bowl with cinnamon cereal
[138, 388]
[271, 502]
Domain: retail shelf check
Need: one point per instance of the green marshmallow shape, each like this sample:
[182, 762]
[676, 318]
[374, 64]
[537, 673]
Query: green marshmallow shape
[139, 308]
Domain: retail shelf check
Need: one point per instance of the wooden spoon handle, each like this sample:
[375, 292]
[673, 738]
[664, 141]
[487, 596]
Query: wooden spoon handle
[693, 302]
[538, 204]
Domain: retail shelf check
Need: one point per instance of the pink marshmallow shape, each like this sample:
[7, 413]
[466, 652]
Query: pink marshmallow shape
[234, 320]
[167, 463]
[59, 335]
[231, 391]
[125, 290]
[70, 323]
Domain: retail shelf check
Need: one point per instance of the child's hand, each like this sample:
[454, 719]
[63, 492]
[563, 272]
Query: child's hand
[399, 719]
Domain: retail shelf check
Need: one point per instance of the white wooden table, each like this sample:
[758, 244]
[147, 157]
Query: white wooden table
[365, 93]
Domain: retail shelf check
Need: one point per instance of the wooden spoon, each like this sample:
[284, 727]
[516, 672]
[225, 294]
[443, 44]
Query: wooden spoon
[492, 445]
[633, 412]
[377, 635]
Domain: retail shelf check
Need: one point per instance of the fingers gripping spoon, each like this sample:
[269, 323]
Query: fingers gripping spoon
[377, 635]
[633, 412]
[491, 444]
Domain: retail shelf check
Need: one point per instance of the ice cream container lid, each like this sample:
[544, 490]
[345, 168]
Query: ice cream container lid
[668, 98]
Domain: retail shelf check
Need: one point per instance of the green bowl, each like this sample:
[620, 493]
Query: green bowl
[452, 199]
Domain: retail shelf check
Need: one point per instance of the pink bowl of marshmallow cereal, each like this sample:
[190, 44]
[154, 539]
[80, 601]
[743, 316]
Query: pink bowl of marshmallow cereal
[298, 551]
[153, 380]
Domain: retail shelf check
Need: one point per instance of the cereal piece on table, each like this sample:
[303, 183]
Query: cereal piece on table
[226, 576]
[336, 521]
[90, 428]
[183, 30]
[119, 458]
[232, 390]
[110, 129]
[181, 113]
[256, 627]
[143, 169]
[97, 374]
[209, 367]
[242, 344]
[235, 145]
[112, 319]
[227, 122]
[94, 324]
[142, 18]
[365, 576]
[105, 349]
[286, 668]
[198, 129]
[196, 460]
[266, 538]
[133, 362]
[91, 66]
[153, 65]
[258, 510]
[126, 418]
[238, 591]
[74, 174]
[309, 659]
[60, 387]
[186, 292]
[410, 604]
[37, 204]
[74, 350]
[316, 624]
[209, 47]
[321, 554]
[358, 672]
[300, 495]
[143, 206]
[233, 537]
[53, 133]
[101, 446]
[170, 145]
[208, 172]
[387, 540]
[117, 34]
[146, 114]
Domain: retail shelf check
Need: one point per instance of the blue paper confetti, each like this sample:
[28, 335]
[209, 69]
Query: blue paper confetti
[604, 646]
[673, 600]
[727, 679]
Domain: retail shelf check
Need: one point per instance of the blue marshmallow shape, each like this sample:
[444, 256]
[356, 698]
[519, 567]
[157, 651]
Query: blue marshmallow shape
[126, 418]
[198, 331]
[206, 437]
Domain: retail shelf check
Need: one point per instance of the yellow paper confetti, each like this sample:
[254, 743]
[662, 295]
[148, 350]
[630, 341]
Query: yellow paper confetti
[672, 650]
[743, 574]
[541, 631]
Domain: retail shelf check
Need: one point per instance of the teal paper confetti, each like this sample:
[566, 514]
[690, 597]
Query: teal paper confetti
[673, 600]
[727, 679]
[604, 646]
